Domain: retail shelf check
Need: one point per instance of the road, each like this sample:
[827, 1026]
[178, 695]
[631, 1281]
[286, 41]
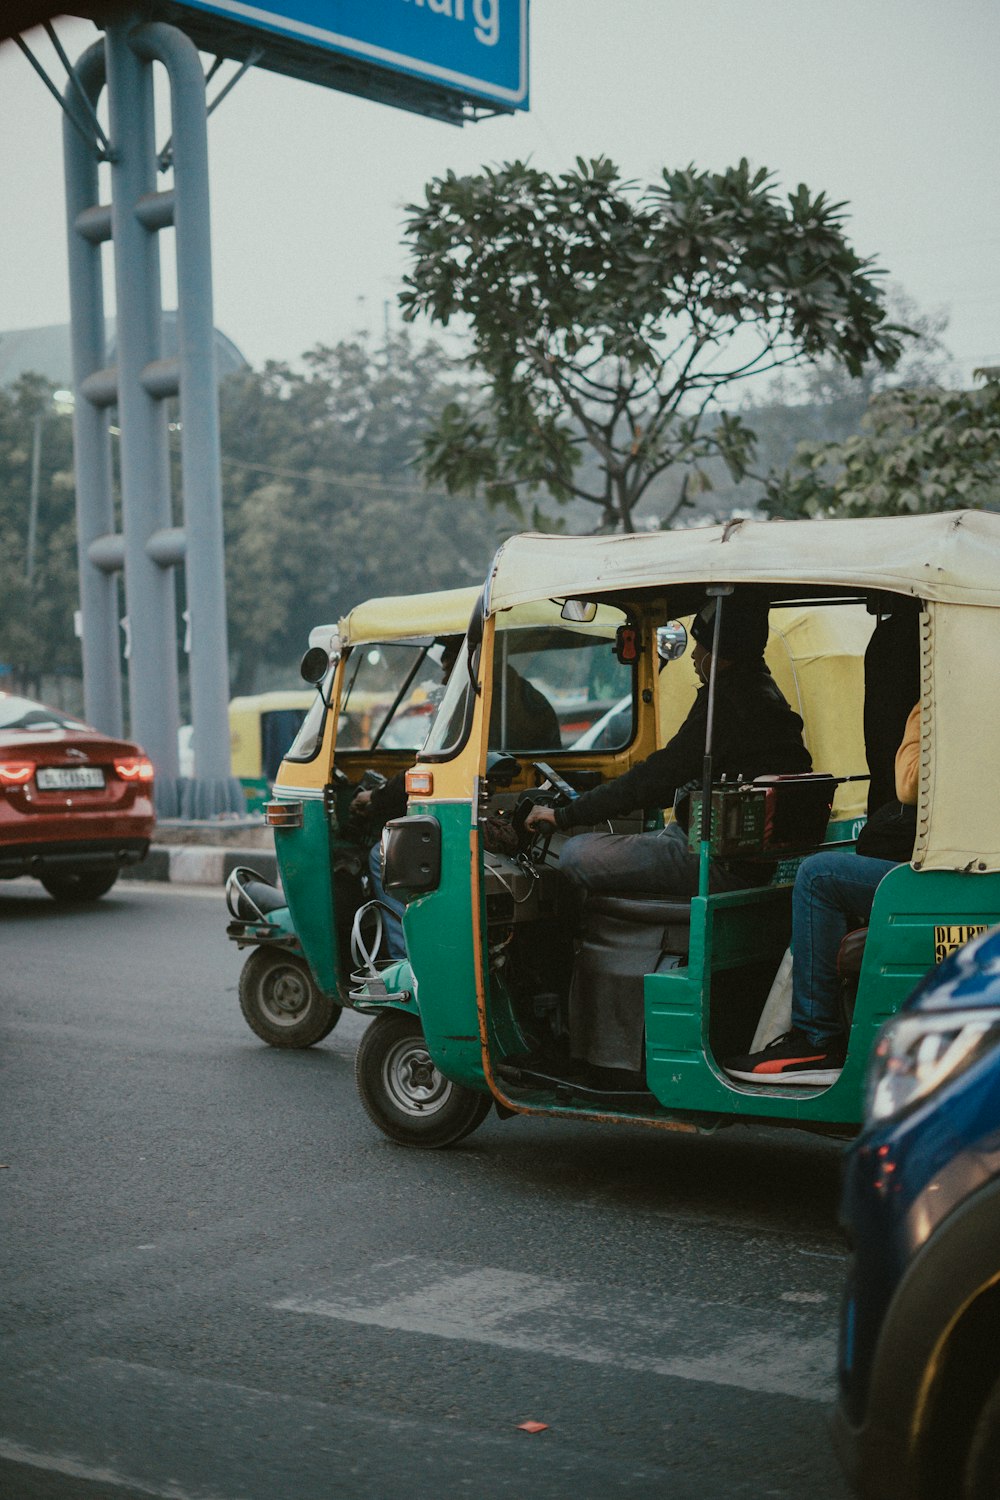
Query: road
[223, 1284]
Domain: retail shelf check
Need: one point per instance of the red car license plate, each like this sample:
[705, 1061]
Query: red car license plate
[68, 778]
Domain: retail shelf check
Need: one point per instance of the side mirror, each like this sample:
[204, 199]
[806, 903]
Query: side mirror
[579, 611]
[314, 664]
[671, 641]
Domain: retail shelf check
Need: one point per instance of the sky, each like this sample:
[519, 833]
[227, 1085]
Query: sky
[889, 105]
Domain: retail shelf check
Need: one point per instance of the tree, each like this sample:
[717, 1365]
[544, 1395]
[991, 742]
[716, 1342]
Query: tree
[323, 507]
[823, 403]
[612, 320]
[36, 623]
[920, 449]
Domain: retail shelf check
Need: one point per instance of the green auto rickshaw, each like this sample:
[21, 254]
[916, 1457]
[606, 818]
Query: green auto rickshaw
[479, 1014]
[377, 680]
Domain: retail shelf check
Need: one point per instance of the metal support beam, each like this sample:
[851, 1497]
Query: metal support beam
[150, 547]
[81, 93]
[95, 514]
[215, 789]
[108, 552]
[166, 156]
[144, 460]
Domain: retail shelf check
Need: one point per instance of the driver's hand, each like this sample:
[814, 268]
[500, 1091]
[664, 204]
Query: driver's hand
[540, 817]
[362, 798]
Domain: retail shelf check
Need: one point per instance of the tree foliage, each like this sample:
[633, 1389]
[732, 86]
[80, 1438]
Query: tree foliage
[919, 449]
[323, 507]
[36, 622]
[610, 319]
[322, 504]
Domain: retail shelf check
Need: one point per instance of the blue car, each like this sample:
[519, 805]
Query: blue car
[918, 1412]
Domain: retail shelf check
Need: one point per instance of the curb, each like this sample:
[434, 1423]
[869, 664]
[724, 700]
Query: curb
[192, 864]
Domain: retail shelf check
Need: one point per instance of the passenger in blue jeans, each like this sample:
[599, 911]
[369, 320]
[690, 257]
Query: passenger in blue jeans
[833, 892]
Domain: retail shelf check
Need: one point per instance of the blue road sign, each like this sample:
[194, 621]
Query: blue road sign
[476, 48]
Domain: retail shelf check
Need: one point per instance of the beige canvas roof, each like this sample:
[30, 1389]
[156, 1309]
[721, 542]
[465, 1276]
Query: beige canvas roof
[405, 616]
[951, 557]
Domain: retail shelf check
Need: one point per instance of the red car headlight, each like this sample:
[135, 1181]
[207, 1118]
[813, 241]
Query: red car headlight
[16, 772]
[134, 768]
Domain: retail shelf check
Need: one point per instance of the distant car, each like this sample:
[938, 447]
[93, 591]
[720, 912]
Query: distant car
[612, 730]
[75, 805]
[918, 1415]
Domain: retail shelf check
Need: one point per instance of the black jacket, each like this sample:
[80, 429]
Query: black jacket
[387, 802]
[755, 734]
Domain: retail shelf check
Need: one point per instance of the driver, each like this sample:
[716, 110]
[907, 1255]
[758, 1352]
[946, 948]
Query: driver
[754, 733]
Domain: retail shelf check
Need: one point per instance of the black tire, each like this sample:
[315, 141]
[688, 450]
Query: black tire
[87, 885]
[982, 1469]
[405, 1095]
[281, 1001]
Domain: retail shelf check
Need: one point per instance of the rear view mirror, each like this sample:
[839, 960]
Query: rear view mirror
[671, 641]
[312, 668]
[579, 611]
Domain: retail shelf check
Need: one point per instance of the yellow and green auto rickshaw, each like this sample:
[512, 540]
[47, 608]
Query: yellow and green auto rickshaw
[478, 1014]
[377, 680]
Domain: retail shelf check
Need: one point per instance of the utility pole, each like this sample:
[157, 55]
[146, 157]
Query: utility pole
[36, 474]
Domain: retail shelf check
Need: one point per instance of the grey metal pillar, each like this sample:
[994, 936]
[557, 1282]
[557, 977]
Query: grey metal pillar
[214, 789]
[91, 435]
[144, 462]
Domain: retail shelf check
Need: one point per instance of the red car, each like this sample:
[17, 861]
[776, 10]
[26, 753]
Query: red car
[74, 805]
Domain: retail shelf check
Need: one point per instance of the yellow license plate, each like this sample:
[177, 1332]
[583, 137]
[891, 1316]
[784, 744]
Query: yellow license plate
[951, 936]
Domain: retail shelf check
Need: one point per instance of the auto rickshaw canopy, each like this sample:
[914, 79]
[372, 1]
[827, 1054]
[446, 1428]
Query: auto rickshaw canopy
[408, 617]
[951, 557]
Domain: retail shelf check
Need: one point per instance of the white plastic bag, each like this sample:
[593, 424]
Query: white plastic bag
[776, 1017]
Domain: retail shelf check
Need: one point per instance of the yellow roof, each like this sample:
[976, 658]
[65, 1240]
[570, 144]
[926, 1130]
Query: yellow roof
[407, 616]
[950, 557]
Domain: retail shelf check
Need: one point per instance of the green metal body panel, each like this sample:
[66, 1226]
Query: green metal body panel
[305, 864]
[440, 932]
[731, 929]
[728, 931]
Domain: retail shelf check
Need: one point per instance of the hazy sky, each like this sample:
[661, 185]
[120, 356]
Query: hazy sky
[891, 105]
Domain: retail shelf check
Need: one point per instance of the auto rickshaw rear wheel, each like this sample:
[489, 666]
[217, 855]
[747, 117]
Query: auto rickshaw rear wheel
[404, 1094]
[282, 1002]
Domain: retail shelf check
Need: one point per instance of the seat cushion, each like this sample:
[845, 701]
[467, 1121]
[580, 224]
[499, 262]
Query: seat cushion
[646, 910]
[851, 952]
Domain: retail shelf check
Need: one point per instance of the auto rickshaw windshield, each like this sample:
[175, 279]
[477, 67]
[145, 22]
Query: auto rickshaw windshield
[550, 680]
[306, 743]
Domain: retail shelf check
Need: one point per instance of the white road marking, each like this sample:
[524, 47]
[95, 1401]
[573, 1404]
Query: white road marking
[634, 1329]
[77, 1468]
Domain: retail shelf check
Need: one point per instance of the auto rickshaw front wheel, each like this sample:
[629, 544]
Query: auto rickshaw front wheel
[281, 1001]
[404, 1094]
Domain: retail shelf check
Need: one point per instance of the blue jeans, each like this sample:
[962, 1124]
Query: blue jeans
[624, 864]
[392, 925]
[833, 892]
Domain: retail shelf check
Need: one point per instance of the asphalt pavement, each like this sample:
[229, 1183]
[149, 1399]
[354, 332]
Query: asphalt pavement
[223, 1284]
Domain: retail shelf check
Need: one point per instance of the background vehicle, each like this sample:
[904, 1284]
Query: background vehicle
[496, 977]
[918, 1416]
[75, 806]
[369, 714]
[261, 728]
